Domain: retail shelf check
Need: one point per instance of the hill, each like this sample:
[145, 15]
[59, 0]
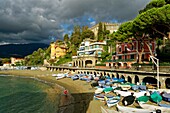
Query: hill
[19, 50]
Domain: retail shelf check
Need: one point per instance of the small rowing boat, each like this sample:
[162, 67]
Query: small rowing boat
[153, 107]
[123, 109]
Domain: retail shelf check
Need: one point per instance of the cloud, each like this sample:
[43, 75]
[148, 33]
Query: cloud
[26, 21]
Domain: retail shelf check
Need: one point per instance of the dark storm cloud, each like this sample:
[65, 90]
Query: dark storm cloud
[25, 21]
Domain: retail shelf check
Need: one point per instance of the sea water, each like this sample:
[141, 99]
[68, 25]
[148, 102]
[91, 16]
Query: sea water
[26, 95]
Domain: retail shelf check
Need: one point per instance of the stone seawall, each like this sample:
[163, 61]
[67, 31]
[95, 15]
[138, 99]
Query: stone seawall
[75, 103]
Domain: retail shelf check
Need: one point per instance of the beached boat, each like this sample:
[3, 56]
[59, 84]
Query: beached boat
[128, 100]
[101, 96]
[166, 96]
[60, 77]
[142, 87]
[135, 87]
[160, 90]
[164, 105]
[112, 102]
[127, 93]
[101, 82]
[156, 97]
[103, 110]
[143, 99]
[123, 93]
[108, 89]
[99, 90]
[124, 109]
[125, 87]
[153, 107]
[75, 77]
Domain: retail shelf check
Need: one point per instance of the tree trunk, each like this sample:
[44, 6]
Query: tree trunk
[140, 56]
[149, 49]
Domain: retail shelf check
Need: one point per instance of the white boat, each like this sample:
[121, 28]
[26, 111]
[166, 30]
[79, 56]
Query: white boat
[98, 90]
[108, 110]
[123, 93]
[60, 76]
[125, 87]
[123, 109]
[160, 90]
[113, 102]
[153, 107]
[127, 93]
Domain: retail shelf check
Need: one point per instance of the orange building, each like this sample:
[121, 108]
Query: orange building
[58, 50]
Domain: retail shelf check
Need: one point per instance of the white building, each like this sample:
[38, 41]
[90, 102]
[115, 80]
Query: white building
[88, 53]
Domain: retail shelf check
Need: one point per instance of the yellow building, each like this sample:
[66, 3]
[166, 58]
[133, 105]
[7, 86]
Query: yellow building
[58, 50]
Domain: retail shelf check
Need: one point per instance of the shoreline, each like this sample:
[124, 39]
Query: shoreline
[76, 89]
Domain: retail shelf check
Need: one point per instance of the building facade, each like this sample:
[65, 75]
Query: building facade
[88, 53]
[128, 53]
[14, 61]
[58, 50]
[112, 27]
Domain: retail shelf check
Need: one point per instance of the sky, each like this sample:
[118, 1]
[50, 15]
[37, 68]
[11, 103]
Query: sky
[43, 21]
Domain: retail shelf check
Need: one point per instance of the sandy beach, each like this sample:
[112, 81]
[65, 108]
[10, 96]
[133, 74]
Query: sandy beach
[74, 87]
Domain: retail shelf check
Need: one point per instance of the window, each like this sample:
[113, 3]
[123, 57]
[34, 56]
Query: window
[96, 46]
[125, 57]
[91, 47]
[120, 49]
[86, 48]
[120, 57]
[132, 56]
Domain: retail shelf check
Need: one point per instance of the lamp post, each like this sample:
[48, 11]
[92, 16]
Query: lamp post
[157, 65]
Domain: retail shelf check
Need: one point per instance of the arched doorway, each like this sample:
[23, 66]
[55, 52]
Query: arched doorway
[125, 65]
[136, 79]
[167, 83]
[117, 75]
[108, 75]
[123, 77]
[110, 65]
[151, 81]
[88, 63]
[114, 64]
[129, 79]
[113, 75]
[119, 64]
[95, 73]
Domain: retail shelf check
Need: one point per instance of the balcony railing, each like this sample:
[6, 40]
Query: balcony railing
[121, 60]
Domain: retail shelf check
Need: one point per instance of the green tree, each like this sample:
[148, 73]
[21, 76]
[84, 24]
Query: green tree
[154, 4]
[87, 34]
[100, 32]
[66, 38]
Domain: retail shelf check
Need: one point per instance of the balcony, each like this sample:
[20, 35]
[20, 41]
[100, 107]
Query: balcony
[99, 43]
[121, 60]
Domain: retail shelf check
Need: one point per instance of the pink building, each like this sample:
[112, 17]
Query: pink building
[128, 53]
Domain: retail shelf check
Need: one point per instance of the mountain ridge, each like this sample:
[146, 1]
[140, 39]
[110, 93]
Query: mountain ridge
[20, 50]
